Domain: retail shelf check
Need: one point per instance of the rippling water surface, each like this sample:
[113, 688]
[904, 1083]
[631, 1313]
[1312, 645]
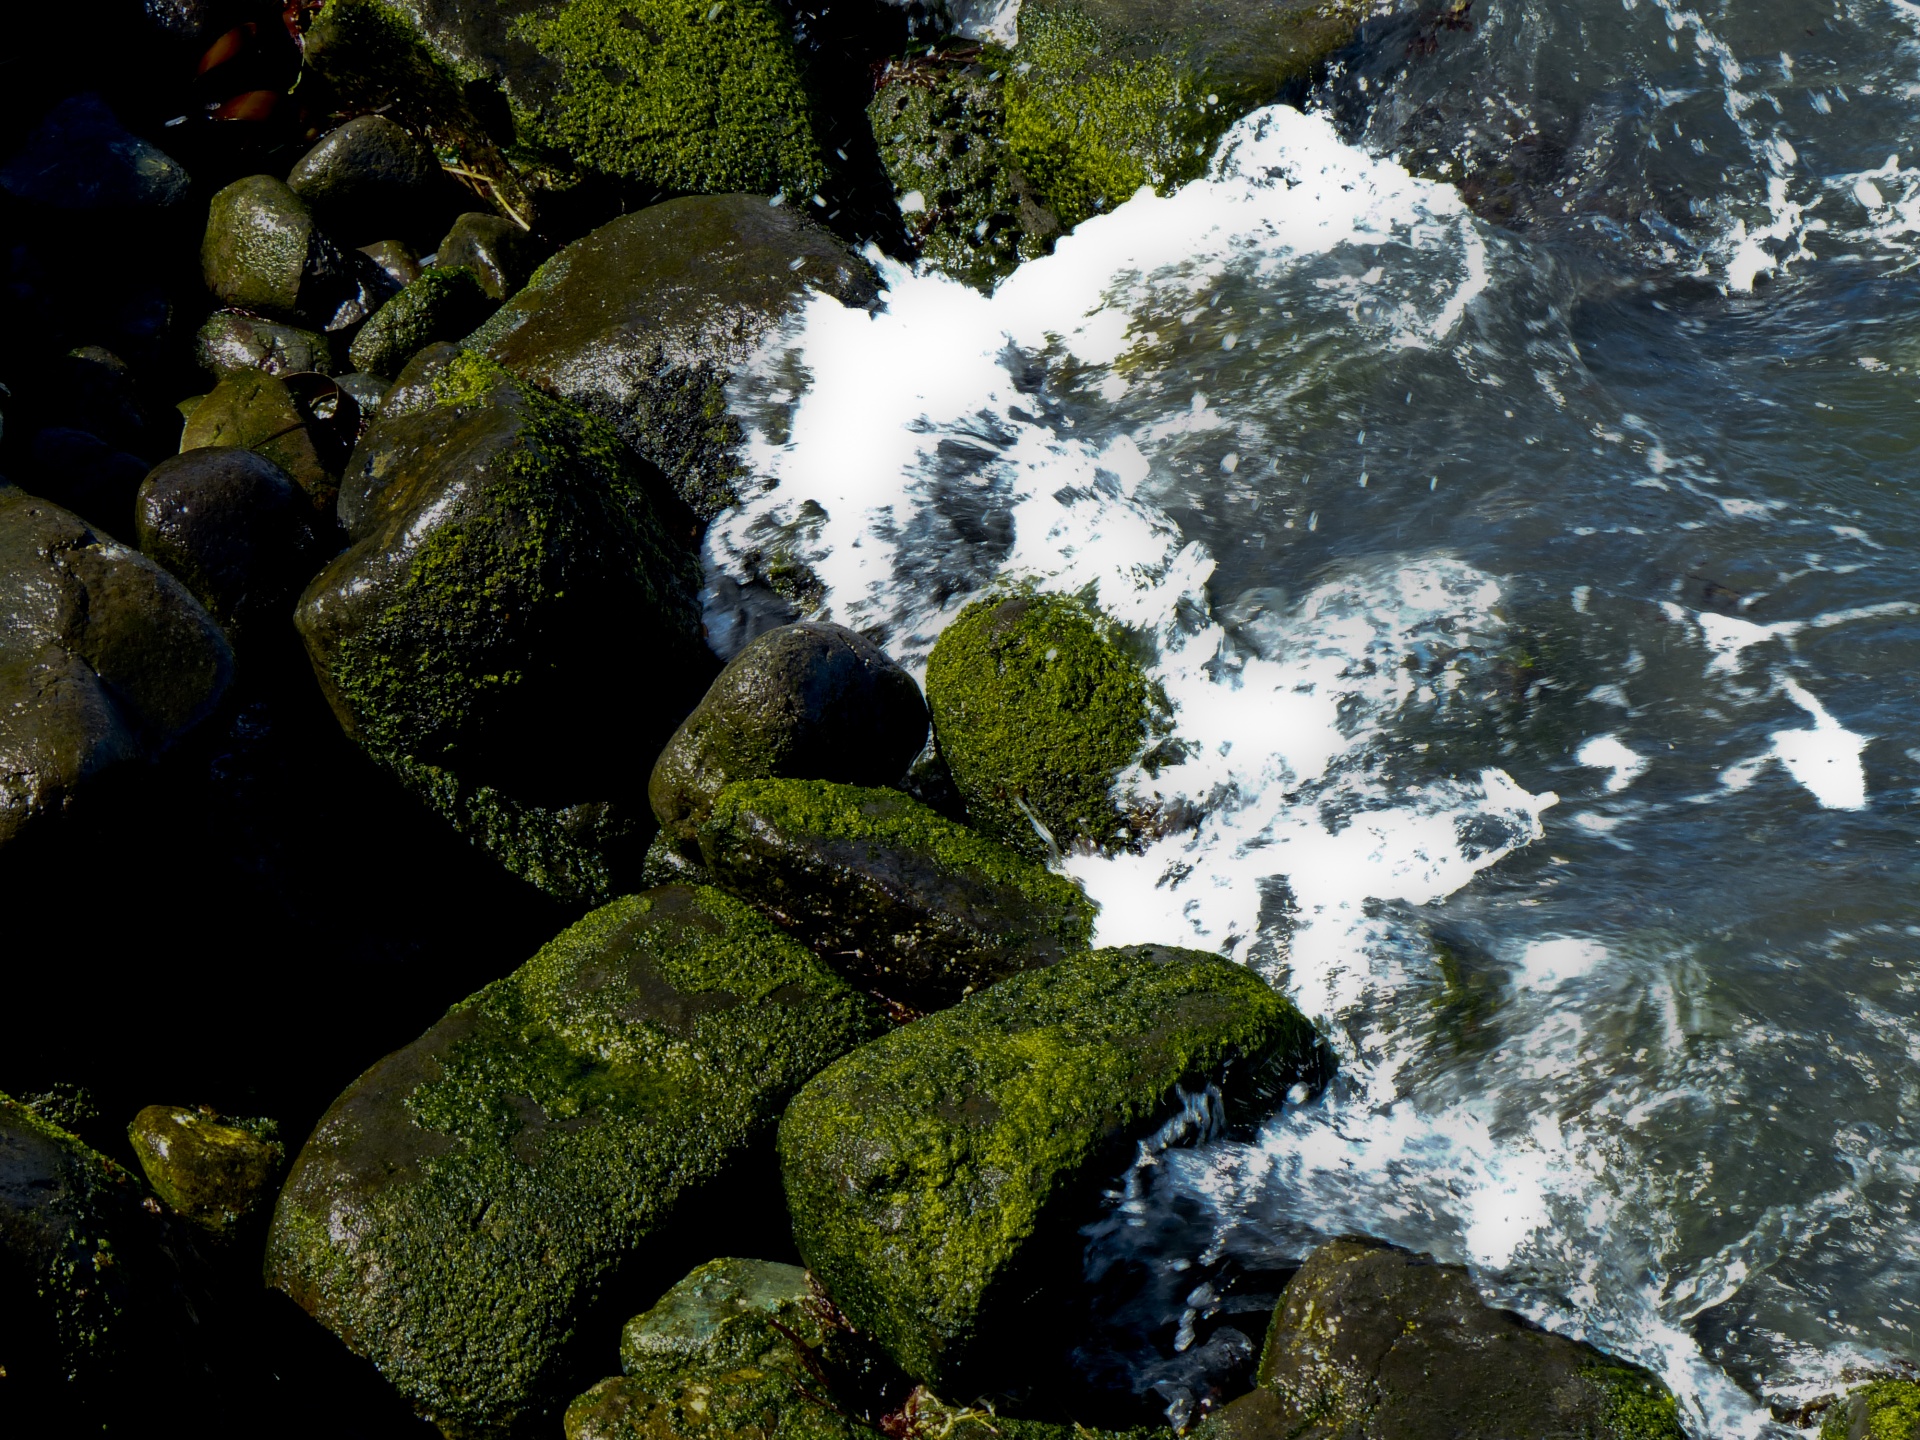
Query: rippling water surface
[1538, 599]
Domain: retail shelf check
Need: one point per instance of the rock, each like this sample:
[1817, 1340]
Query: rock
[1038, 707]
[900, 899]
[369, 392]
[442, 304]
[231, 342]
[722, 1316]
[235, 529]
[511, 631]
[214, 1171]
[499, 253]
[936, 1176]
[262, 252]
[966, 205]
[105, 658]
[461, 1206]
[1883, 1410]
[644, 321]
[806, 702]
[256, 411]
[647, 96]
[92, 389]
[367, 178]
[1104, 96]
[82, 158]
[1373, 1342]
[396, 260]
[88, 476]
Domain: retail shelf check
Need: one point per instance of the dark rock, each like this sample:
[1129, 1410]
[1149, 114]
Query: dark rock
[667, 864]
[464, 1203]
[231, 341]
[181, 19]
[805, 702]
[258, 412]
[396, 260]
[1038, 707]
[442, 304]
[1375, 1343]
[82, 158]
[500, 538]
[644, 321]
[368, 178]
[235, 529]
[105, 658]
[212, 1170]
[88, 476]
[93, 389]
[262, 252]
[369, 392]
[936, 1176]
[499, 253]
[900, 899]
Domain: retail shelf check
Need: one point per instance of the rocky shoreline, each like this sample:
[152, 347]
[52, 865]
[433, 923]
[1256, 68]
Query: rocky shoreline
[356, 647]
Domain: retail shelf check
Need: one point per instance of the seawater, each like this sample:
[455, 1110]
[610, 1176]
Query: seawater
[1537, 603]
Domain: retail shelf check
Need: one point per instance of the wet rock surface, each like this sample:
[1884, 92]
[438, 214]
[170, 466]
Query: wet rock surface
[81, 158]
[443, 304]
[231, 341]
[214, 1171]
[252, 410]
[500, 254]
[264, 253]
[367, 179]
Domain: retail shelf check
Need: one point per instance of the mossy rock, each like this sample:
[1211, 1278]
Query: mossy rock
[723, 1315]
[255, 411]
[903, 901]
[215, 1171]
[499, 253]
[263, 253]
[644, 322]
[231, 341]
[1037, 707]
[1371, 1341]
[499, 538]
[443, 304]
[1883, 1410]
[1104, 96]
[937, 1176]
[463, 1208]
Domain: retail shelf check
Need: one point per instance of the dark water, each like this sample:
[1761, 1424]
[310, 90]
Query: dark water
[1433, 518]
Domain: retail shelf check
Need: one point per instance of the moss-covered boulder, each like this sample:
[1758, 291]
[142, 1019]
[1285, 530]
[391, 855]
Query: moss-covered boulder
[1882, 1410]
[644, 321]
[810, 701]
[263, 253]
[231, 341]
[460, 1210]
[256, 411]
[902, 900]
[936, 1177]
[215, 1171]
[104, 659]
[651, 96]
[512, 630]
[1037, 708]
[721, 1316]
[1370, 1341]
[443, 304]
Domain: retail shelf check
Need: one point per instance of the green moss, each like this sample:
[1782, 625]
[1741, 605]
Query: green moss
[768, 1400]
[443, 304]
[1038, 707]
[1890, 1410]
[725, 1314]
[928, 1172]
[683, 95]
[1638, 1407]
[212, 1170]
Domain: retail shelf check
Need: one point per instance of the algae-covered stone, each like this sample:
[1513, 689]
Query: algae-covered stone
[1104, 96]
[936, 1176]
[499, 253]
[104, 658]
[809, 701]
[230, 342]
[257, 411]
[1038, 707]
[644, 321]
[262, 252]
[900, 898]
[512, 630]
[443, 304]
[1883, 1410]
[1376, 1343]
[461, 1206]
[722, 1316]
[213, 1170]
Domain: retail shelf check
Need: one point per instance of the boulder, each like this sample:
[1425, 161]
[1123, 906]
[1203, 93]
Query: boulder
[367, 178]
[262, 252]
[901, 900]
[644, 321]
[1037, 708]
[395, 259]
[808, 702]
[215, 1171]
[442, 304]
[1882, 1410]
[511, 630]
[235, 529]
[82, 158]
[936, 1177]
[461, 1208]
[499, 253]
[1373, 1343]
[104, 658]
[231, 342]
[252, 410]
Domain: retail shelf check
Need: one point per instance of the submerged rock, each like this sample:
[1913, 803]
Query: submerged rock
[1883, 1410]
[1038, 707]
[367, 178]
[900, 899]
[104, 658]
[499, 253]
[936, 1176]
[216, 1172]
[82, 158]
[231, 342]
[462, 1205]
[810, 702]
[1373, 1342]
[511, 630]
[644, 321]
[442, 304]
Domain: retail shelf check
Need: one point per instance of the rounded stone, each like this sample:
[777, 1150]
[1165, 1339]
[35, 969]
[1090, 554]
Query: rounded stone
[82, 158]
[231, 342]
[365, 176]
[499, 253]
[215, 1172]
[255, 253]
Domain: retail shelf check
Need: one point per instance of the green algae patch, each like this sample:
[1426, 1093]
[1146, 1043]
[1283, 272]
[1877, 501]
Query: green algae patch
[443, 304]
[1883, 1410]
[459, 1209]
[935, 1177]
[1037, 707]
[214, 1171]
